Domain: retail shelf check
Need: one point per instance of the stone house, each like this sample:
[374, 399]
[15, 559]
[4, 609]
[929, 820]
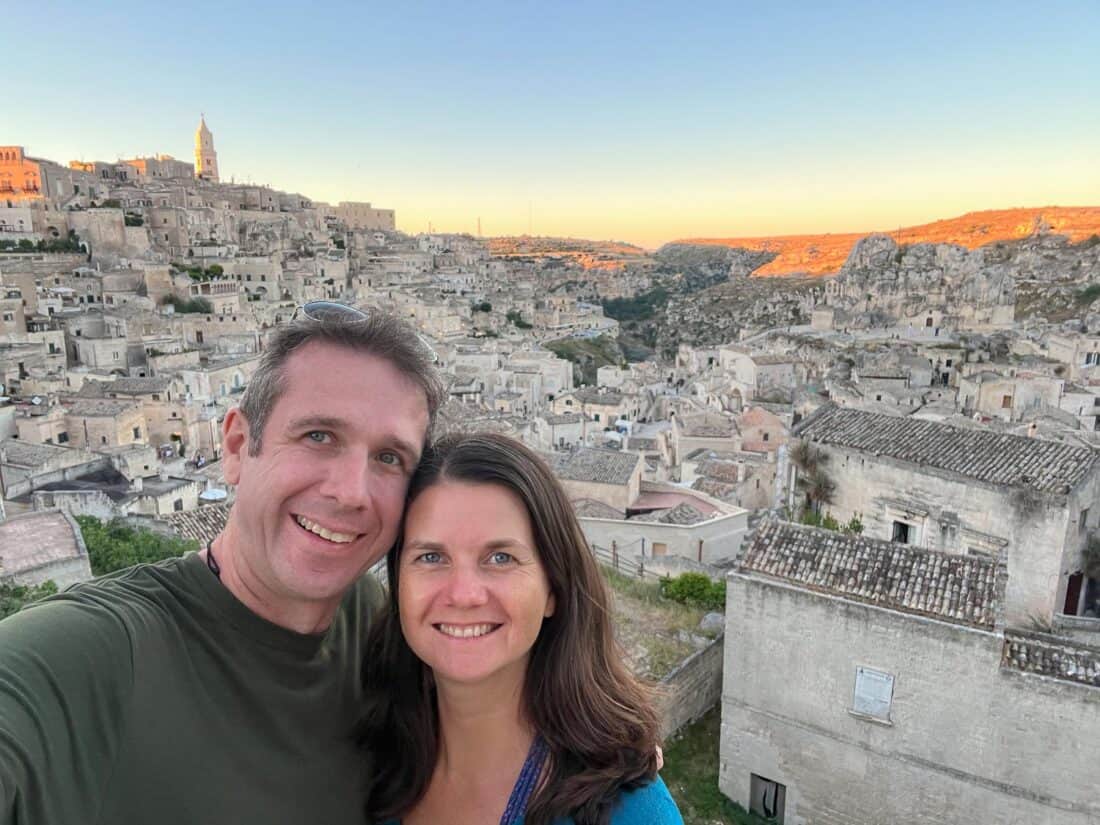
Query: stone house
[762, 431]
[556, 432]
[869, 682]
[608, 476]
[1079, 351]
[1008, 397]
[218, 379]
[94, 422]
[40, 547]
[665, 522]
[603, 405]
[967, 492]
[707, 430]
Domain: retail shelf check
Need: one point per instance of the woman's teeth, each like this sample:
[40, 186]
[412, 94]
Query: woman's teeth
[466, 631]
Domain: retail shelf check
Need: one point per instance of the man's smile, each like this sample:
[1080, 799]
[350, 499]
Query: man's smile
[334, 536]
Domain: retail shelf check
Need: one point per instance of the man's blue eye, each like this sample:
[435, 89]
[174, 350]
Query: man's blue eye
[317, 436]
[390, 458]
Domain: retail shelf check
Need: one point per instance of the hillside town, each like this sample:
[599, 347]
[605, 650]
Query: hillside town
[894, 468]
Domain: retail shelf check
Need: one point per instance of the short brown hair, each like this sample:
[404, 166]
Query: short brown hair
[377, 333]
[596, 717]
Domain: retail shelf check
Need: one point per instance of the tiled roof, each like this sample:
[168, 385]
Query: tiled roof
[719, 470]
[102, 408]
[600, 466]
[680, 514]
[590, 508]
[564, 418]
[202, 524]
[37, 539]
[1056, 658]
[25, 454]
[716, 489]
[594, 396]
[986, 456]
[954, 588]
[137, 386]
[708, 425]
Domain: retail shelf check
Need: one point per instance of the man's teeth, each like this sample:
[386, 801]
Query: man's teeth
[466, 631]
[314, 527]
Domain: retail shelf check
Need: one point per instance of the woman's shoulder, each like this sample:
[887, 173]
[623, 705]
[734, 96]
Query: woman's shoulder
[650, 804]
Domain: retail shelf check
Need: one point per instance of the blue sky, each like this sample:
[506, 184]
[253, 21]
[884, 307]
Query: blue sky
[634, 121]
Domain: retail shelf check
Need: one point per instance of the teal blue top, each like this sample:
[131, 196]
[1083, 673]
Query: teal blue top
[648, 805]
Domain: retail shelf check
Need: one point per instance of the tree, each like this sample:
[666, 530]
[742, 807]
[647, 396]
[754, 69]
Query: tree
[115, 545]
[14, 597]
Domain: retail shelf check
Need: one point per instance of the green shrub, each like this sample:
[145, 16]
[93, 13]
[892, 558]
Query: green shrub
[695, 589]
[114, 545]
[14, 597]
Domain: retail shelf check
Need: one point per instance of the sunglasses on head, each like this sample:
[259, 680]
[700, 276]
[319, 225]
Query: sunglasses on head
[343, 313]
[330, 311]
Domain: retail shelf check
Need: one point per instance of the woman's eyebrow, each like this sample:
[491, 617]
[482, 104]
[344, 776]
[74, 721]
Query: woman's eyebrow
[420, 544]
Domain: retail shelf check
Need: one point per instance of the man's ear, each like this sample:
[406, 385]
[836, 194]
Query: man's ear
[234, 444]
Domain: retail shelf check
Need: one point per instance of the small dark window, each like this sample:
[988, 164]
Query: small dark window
[902, 533]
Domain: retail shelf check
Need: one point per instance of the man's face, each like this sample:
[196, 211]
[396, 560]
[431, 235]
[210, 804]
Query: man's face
[323, 499]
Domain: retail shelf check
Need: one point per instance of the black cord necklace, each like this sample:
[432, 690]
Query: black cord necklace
[212, 562]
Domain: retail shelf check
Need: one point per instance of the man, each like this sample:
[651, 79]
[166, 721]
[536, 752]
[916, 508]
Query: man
[223, 687]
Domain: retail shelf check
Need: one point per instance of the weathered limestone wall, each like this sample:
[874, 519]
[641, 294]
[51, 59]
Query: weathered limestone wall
[966, 741]
[692, 689]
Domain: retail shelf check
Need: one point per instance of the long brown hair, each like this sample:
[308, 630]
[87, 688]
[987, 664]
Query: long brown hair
[596, 717]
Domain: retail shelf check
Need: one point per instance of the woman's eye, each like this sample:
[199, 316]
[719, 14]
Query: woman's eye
[430, 558]
[500, 557]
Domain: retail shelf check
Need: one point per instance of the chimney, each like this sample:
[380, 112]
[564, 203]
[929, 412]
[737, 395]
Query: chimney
[139, 484]
[1032, 429]
[741, 472]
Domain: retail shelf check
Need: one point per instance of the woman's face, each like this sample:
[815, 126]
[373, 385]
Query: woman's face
[472, 591]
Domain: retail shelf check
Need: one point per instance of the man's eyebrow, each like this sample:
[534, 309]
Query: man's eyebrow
[317, 421]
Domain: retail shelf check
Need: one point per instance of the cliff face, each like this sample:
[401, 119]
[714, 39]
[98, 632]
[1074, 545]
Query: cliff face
[883, 282]
[825, 254]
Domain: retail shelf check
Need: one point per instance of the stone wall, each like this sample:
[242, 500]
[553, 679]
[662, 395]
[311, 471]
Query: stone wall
[692, 689]
[965, 738]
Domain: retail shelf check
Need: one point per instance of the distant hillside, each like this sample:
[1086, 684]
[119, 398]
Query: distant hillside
[610, 255]
[825, 254]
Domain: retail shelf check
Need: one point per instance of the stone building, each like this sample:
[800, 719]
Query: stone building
[871, 682]
[40, 547]
[206, 158]
[967, 492]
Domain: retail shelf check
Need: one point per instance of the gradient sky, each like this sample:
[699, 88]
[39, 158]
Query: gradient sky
[634, 121]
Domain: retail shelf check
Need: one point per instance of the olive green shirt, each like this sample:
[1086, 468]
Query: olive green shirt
[154, 697]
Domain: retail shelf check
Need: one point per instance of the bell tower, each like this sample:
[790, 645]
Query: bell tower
[206, 159]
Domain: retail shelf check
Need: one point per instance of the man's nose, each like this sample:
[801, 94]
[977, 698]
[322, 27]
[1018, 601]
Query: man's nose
[348, 480]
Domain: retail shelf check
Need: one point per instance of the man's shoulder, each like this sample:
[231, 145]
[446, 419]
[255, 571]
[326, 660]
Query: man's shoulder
[105, 610]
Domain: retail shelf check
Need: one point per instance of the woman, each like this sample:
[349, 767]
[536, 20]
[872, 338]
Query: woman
[494, 688]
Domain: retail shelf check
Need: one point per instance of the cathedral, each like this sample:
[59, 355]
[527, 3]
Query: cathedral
[206, 159]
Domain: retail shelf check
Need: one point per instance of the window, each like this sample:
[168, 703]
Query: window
[114, 355]
[1006, 402]
[177, 505]
[873, 694]
[103, 439]
[137, 432]
[767, 798]
[1083, 521]
[660, 548]
[903, 532]
[767, 436]
[63, 438]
